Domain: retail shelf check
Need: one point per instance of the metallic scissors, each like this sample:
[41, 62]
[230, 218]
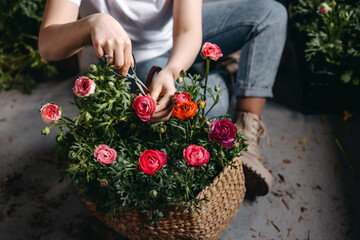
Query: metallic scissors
[132, 74]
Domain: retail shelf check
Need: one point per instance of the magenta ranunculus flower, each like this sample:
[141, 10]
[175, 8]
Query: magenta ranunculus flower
[224, 132]
[182, 97]
[151, 161]
[211, 51]
[196, 155]
[84, 86]
[50, 113]
[144, 106]
[104, 154]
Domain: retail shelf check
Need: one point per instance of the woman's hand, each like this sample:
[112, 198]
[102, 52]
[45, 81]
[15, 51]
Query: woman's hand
[110, 39]
[162, 90]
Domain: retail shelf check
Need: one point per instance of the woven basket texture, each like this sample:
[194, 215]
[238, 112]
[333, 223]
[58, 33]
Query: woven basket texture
[226, 194]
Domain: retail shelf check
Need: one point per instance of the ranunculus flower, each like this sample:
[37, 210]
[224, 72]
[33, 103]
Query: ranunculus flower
[324, 8]
[144, 106]
[184, 110]
[84, 86]
[211, 51]
[196, 155]
[224, 132]
[50, 113]
[182, 97]
[201, 103]
[151, 161]
[104, 154]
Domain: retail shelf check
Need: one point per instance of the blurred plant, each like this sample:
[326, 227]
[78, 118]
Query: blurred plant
[332, 36]
[20, 63]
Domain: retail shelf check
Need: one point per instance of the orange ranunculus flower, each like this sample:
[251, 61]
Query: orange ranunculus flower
[184, 110]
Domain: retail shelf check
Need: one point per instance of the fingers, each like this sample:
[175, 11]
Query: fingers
[128, 59]
[163, 109]
[117, 53]
[165, 102]
[161, 116]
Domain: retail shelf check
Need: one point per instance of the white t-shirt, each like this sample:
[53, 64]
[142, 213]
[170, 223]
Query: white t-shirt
[148, 23]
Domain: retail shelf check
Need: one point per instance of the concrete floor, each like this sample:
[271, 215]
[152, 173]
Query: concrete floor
[315, 196]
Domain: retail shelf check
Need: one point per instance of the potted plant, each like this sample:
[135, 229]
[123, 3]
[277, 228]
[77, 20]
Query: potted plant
[328, 39]
[179, 179]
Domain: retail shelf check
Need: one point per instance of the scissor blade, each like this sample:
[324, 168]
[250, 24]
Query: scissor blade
[139, 82]
[140, 87]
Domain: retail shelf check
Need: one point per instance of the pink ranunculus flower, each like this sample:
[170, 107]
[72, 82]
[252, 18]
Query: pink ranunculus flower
[144, 107]
[84, 86]
[182, 97]
[151, 161]
[104, 154]
[224, 132]
[211, 51]
[324, 8]
[50, 113]
[196, 155]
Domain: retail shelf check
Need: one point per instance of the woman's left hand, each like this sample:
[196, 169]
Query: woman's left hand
[162, 90]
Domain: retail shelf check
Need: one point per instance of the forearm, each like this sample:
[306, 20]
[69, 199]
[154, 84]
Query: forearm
[185, 49]
[59, 41]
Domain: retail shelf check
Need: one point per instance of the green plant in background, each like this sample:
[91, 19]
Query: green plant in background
[331, 31]
[20, 63]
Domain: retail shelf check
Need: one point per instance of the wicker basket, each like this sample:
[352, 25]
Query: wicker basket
[226, 194]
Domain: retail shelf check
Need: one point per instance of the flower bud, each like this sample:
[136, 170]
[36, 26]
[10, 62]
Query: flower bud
[133, 125]
[160, 129]
[45, 131]
[180, 79]
[101, 78]
[83, 166]
[182, 73]
[87, 116]
[92, 68]
[324, 8]
[111, 84]
[201, 104]
[217, 89]
[153, 193]
[103, 182]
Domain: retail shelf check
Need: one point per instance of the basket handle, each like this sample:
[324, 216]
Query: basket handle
[154, 70]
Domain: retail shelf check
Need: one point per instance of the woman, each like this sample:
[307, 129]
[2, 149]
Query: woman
[169, 33]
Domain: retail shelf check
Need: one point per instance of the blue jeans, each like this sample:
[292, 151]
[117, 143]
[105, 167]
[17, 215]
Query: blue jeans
[258, 28]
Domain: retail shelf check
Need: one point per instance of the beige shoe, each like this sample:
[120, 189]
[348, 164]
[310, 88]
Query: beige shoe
[258, 180]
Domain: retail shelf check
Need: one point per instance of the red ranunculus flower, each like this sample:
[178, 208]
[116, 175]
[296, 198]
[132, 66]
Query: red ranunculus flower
[151, 161]
[182, 97]
[84, 87]
[50, 113]
[104, 154]
[196, 155]
[211, 51]
[144, 106]
[224, 132]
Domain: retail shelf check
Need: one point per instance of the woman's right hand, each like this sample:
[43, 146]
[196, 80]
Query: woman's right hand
[110, 39]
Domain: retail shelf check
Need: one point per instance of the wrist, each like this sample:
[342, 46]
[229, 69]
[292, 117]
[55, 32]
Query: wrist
[172, 70]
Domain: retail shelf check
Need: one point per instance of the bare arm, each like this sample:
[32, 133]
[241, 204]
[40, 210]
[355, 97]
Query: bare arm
[187, 38]
[62, 35]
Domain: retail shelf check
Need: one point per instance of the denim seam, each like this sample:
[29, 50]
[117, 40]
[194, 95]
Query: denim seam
[209, 35]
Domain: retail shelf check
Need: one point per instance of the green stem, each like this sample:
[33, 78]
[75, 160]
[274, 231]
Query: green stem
[161, 140]
[206, 80]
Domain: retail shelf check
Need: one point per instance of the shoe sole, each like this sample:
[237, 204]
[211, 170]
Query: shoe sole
[258, 180]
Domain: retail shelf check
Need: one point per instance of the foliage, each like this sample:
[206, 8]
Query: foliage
[332, 38]
[107, 117]
[20, 62]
